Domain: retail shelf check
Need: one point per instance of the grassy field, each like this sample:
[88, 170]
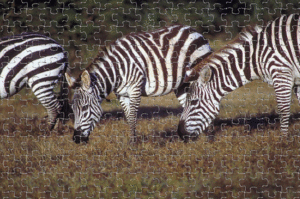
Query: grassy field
[240, 156]
[246, 159]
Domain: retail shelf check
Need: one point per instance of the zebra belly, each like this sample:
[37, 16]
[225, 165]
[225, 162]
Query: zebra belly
[150, 90]
[163, 84]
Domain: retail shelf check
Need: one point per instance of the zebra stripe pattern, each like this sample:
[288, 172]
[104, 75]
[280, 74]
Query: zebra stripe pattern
[140, 64]
[37, 61]
[270, 53]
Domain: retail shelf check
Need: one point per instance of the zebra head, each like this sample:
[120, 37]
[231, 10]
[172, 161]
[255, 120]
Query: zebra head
[86, 105]
[200, 107]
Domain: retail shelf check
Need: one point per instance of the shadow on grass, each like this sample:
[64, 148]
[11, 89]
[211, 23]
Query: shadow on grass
[250, 123]
[159, 137]
[261, 122]
[247, 125]
[145, 113]
[33, 126]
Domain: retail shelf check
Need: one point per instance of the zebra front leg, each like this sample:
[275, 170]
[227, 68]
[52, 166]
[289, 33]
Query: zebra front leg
[130, 106]
[181, 93]
[283, 91]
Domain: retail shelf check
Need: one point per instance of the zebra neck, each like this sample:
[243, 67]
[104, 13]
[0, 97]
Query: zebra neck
[237, 64]
[228, 83]
[104, 78]
[232, 69]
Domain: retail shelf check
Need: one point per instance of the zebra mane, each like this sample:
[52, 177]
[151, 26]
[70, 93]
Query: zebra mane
[77, 82]
[102, 55]
[103, 52]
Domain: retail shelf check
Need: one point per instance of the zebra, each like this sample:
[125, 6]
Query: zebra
[38, 62]
[139, 64]
[270, 53]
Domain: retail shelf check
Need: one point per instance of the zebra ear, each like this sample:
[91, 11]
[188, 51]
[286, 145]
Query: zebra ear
[71, 81]
[190, 75]
[205, 74]
[86, 80]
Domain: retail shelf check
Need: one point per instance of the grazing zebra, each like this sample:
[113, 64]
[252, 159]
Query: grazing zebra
[36, 61]
[270, 53]
[140, 64]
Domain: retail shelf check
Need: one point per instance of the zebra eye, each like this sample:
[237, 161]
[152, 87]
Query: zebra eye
[85, 115]
[85, 108]
[194, 102]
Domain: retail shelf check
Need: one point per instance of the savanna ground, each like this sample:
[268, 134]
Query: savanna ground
[242, 155]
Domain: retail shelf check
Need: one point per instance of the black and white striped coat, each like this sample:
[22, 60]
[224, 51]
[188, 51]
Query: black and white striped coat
[36, 61]
[139, 64]
[270, 53]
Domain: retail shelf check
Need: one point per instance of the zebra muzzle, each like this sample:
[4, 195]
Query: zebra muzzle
[181, 130]
[79, 137]
[183, 133]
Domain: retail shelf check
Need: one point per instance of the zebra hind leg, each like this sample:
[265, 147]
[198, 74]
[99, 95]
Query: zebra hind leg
[50, 102]
[52, 118]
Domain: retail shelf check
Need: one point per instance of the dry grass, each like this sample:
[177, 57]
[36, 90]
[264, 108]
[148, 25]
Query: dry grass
[247, 159]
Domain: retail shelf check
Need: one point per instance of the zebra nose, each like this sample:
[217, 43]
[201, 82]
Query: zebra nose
[78, 137]
[182, 131]
[184, 134]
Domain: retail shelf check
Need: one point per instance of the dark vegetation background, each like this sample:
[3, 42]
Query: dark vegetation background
[247, 157]
[84, 26]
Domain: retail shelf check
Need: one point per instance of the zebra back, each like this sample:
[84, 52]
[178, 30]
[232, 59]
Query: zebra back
[161, 56]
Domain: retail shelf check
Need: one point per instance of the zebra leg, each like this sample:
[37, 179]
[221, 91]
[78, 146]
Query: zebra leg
[181, 93]
[48, 99]
[283, 90]
[130, 106]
